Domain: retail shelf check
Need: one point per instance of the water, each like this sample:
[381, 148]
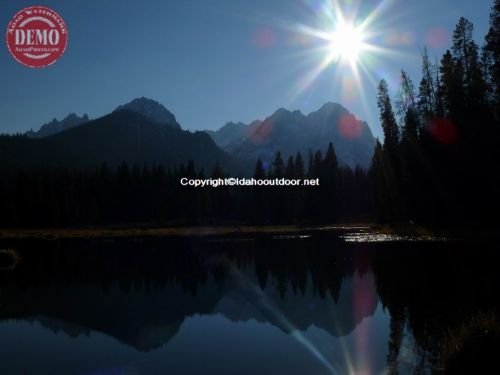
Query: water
[315, 303]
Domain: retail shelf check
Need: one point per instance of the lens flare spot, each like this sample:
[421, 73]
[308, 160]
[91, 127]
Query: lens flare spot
[264, 38]
[349, 90]
[443, 130]
[397, 38]
[350, 127]
[261, 132]
[437, 37]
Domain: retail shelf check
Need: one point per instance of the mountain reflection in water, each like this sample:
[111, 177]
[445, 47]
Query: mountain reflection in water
[316, 304]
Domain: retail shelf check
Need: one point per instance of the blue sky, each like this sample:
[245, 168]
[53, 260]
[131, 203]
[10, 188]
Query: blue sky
[214, 61]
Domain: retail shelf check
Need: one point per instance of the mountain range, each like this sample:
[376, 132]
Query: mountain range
[55, 126]
[152, 110]
[138, 132]
[147, 321]
[143, 130]
[291, 131]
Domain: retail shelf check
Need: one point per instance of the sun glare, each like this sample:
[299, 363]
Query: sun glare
[346, 43]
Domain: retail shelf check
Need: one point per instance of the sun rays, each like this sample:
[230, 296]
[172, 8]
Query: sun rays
[347, 43]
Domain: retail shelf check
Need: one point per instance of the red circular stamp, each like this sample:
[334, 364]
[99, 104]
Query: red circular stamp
[37, 36]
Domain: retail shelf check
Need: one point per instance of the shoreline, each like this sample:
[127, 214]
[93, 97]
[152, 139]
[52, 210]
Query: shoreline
[170, 231]
[236, 230]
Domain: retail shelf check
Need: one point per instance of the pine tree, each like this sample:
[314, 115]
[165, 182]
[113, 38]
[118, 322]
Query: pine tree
[330, 184]
[450, 88]
[298, 192]
[491, 57]
[316, 164]
[378, 181]
[329, 171]
[387, 119]
[290, 168]
[299, 166]
[407, 109]
[310, 165]
[259, 170]
[391, 180]
[427, 102]
[278, 166]
[469, 72]
[464, 48]
[331, 158]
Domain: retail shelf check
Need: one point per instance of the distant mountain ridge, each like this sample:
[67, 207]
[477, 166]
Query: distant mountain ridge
[149, 108]
[55, 126]
[229, 133]
[144, 130]
[152, 110]
[125, 135]
[291, 131]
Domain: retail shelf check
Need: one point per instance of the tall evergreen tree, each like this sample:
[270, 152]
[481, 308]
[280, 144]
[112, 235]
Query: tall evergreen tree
[278, 166]
[316, 164]
[377, 171]
[310, 165]
[331, 161]
[428, 103]
[387, 119]
[390, 158]
[469, 74]
[290, 168]
[259, 173]
[299, 166]
[450, 88]
[330, 184]
[407, 108]
[464, 48]
[491, 57]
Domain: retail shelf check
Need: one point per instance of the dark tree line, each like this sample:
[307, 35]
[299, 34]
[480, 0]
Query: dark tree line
[343, 194]
[154, 195]
[439, 160]
[189, 263]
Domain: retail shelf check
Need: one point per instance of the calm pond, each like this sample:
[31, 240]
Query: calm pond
[319, 303]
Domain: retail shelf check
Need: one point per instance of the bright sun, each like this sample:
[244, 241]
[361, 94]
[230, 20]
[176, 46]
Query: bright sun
[343, 43]
[346, 43]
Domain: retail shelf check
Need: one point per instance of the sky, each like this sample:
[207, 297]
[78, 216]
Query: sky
[214, 61]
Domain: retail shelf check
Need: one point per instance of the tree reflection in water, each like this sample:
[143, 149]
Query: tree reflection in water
[142, 290]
